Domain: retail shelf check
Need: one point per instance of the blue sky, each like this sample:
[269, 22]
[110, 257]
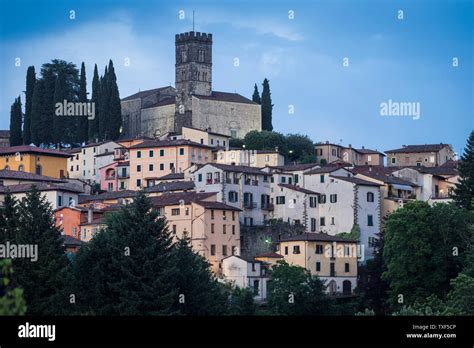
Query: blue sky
[405, 60]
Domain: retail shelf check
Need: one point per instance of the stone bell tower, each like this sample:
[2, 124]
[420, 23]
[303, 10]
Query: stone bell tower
[193, 73]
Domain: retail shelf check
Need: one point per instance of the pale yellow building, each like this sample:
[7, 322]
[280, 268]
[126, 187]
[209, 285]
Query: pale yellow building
[333, 259]
[35, 160]
[250, 158]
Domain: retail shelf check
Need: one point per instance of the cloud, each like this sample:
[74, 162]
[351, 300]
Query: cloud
[92, 42]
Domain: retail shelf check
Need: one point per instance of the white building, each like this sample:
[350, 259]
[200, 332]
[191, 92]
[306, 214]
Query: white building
[246, 274]
[243, 187]
[84, 163]
[346, 201]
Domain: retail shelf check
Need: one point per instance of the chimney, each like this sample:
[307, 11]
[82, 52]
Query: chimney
[363, 147]
[89, 214]
[350, 146]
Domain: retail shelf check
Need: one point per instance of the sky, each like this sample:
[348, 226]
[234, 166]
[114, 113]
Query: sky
[331, 64]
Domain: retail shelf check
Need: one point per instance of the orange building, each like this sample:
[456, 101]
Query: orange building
[153, 159]
[35, 160]
[71, 218]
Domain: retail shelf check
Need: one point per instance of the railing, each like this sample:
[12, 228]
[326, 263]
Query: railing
[393, 196]
[250, 205]
[123, 176]
[268, 206]
[441, 196]
[109, 177]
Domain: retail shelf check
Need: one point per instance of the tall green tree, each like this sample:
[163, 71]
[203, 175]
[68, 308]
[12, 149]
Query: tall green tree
[103, 106]
[424, 249]
[8, 219]
[16, 118]
[37, 111]
[464, 191]
[11, 296]
[93, 132]
[114, 123]
[267, 106]
[82, 122]
[300, 148]
[128, 268]
[30, 86]
[265, 140]
[294, 291]
[256, 95]
[199, 293]
[61, 131]
[44, 280]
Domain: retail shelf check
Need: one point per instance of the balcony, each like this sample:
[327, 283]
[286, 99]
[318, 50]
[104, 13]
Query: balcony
[250, 205]
[109, 177]
[268, 206]
[123, 176]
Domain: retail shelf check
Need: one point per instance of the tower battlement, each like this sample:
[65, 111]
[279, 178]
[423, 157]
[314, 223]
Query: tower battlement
[193, 35]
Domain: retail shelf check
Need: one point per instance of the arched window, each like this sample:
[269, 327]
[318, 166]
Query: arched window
[38, 169]
[370, 197]
[21, 168]
[346, 287]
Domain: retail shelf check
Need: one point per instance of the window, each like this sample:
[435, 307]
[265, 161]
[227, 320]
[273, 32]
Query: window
[224, 215]
[333, 198]
[224, 229]
[322, 221]
[322, 199]
[286, 250]
[372, 242]
[74, 231]
[256, 287]
[283, 180]
[162, 152]
[150, 153]
[321, 178]
[318, 266]
[39, 170]
[370, 220]
[394, 160]
[174, 228]
[21, 168]
[139, 183]
[280, 200]
[139, 154]
[224, 250]
[162, 166]
[110, 187]
[296, 249]
[370, 197]
[313, 225]
[296, 178]
[234, 250]
[181, 151]
[139, 168]
[212, 214]
[233, 216]
[369, 158]
[332, 220]
[186, 211]
[233, 196]
[150, 167]
[319, 249]
[233, 229]
[213, 249]
[346, 267]
[212, 228]
[432, 159]
[60, 201]
[175, 211]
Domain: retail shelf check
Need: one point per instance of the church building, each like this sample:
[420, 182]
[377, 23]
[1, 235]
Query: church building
[192, 102]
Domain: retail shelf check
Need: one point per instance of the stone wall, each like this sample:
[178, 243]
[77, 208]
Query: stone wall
[224, 117]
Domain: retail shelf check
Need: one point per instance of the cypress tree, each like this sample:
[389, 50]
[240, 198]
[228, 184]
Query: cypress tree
[94, 123]
[199, 292]
[60, 121]
[256, 95]
[103, 106]
[15, 123]
[8, 219]
[82, 120]
[44, 281]
[37, 110]
[128, 268]
[114, 123]
[464, 191]
[267, 106]
[30, 86]
[48, 114]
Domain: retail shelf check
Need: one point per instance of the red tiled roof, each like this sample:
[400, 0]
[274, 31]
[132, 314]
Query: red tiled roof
[418, 148]
[32, 149]
[19, 175]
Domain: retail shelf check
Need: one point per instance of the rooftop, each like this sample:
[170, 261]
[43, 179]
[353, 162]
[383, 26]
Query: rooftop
[41, 186]
[171, 186]
[299, 189]
[317, 237]
[356, 181]
[32, 149]
[418, 148]
[19, 175]
[237, 169]
[178, 198]
[294, 167]
[107, 195]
